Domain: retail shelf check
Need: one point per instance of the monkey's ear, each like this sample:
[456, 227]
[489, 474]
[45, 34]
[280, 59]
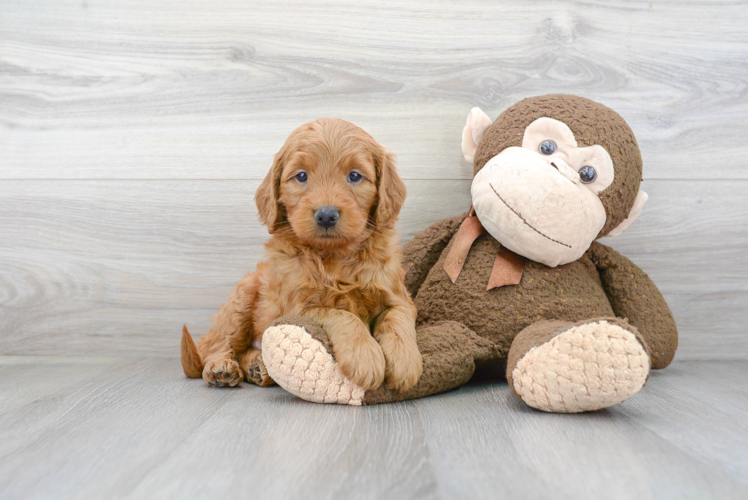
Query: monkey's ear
[477, 123]
[639, 202]
[390, 188]
[266, 196]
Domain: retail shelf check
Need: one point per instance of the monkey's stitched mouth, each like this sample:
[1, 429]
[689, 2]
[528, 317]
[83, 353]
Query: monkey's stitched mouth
[524, 220]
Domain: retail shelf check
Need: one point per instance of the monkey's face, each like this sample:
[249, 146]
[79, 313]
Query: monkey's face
[541, 200]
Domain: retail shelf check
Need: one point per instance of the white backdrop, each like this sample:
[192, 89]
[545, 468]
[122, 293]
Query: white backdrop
[133, 135]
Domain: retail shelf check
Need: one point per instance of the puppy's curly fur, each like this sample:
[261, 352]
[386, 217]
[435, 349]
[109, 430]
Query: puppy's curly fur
[348, 276]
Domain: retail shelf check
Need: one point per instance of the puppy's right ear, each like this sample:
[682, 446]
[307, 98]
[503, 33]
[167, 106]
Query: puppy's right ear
[266, 196]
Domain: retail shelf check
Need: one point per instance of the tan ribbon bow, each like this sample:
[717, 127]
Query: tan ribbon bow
[507, 268]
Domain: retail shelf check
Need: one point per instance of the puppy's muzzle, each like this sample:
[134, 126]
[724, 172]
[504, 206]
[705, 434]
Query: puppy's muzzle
[327, 216]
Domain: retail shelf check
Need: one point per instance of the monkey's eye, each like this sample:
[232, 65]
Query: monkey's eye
[547, 148]
[301, 177]
[354, 177]
[588, 174]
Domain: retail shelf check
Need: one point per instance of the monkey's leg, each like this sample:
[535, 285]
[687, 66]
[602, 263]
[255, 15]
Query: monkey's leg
[298, 356]
[564, 367]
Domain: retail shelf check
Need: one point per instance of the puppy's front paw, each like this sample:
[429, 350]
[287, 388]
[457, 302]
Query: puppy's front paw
[403, 362]
[223, 372]
[361, 361]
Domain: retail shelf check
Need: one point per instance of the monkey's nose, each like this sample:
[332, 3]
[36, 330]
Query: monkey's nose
[327, 216]
[565, 169]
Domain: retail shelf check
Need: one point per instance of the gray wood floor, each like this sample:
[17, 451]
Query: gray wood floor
[136, 428]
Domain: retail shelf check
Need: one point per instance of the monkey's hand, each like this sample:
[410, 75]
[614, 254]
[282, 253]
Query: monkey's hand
[634, 296]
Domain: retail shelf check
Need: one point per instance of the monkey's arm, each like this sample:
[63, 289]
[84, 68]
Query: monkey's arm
[421, 253]
[634, 296]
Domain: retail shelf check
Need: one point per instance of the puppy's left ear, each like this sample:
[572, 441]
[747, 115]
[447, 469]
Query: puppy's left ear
[390, 188]
[266, 196]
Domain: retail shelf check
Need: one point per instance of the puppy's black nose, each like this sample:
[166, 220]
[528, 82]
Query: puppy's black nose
[326, 216]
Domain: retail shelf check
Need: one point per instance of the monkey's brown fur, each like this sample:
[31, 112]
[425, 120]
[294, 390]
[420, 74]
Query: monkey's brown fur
[592, 123]
[348, 279]
[601, 283]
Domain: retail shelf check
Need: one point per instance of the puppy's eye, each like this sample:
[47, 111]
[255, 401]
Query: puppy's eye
[354, 177]
[587, 174]
[301, 177]
[547, 148]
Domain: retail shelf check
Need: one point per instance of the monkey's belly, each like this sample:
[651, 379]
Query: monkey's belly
[571, 292]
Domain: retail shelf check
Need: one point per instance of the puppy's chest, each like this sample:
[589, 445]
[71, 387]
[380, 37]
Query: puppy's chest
[338, 287]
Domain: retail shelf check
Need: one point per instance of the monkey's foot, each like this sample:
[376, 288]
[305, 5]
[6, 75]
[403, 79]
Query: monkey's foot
[569, 368]
[299, 359]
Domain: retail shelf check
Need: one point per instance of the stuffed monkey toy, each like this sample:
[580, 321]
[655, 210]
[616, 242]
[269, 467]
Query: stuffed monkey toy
[519, 285]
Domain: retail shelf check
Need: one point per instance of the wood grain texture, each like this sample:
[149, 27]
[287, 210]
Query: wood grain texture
[136, 428]
[118, 267]
[133, 135]
[614, 453]
[210, 89]
[113, 267]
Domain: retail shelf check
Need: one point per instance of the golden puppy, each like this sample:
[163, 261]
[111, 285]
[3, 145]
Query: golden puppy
[330, 202]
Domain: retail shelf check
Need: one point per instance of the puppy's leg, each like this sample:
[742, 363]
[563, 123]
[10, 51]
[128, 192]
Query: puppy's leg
[395, 331]
[254, 368]
[358, 355]
[229, 336]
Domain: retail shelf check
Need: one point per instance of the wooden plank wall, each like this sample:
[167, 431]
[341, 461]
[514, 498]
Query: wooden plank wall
[133, 135]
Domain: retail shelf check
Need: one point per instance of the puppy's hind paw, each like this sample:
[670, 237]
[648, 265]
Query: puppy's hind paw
[255, 371]
[223, 372]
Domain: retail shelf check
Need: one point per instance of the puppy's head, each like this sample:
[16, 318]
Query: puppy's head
[331, 185]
